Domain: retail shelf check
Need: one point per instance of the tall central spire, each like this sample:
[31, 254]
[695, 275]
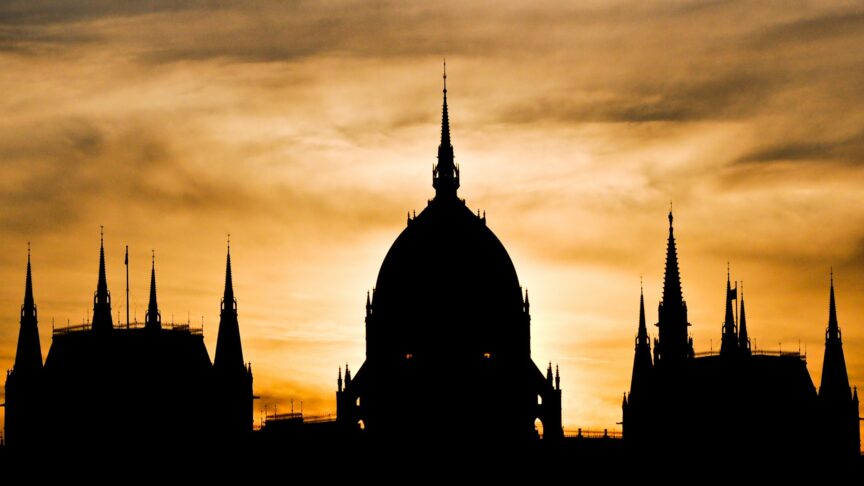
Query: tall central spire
[673, 343]
[445, 175]
[153, 320]
[102, 320]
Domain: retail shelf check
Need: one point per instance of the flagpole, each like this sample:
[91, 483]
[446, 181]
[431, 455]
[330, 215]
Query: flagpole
[127, 286]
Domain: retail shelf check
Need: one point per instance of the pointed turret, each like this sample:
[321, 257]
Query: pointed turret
[445, 174]
[642, 358]
[102, 320]
[672, 293]
[835, 381]
[233, 377]
[229, 350]
[839, 403]
[729, 340]
[743, 338]
[153, 320]
[673, 344]
[24, 383]
[368, 304]
[28, 357]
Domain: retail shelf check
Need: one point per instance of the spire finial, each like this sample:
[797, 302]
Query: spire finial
[28, 252]
[670, 215]
[229, 242]
[445, 76]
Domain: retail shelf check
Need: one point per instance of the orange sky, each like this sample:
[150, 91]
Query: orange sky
[308, 129]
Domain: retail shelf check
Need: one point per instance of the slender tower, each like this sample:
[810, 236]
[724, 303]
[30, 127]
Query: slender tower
[743, 338]
[24, 380]
[102, 320]
[673, 346]
[635, 405]
[153, 320]
[233, 378]
[840, 407]
[729, 340]
[642, 365]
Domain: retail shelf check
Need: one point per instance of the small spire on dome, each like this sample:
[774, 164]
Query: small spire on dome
[445, 174]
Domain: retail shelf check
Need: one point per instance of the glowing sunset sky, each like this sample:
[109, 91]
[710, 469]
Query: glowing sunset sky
[307, 130]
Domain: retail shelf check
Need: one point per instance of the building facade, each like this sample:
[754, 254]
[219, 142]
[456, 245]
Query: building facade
[448, 334]
[135, 387]
[738, 402]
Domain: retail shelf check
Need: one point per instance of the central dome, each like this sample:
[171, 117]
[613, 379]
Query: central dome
[446, 290]
[448, 334]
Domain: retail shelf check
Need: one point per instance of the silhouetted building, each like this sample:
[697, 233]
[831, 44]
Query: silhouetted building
[448, 334]
[740, 402]
[23, 391]
[149, 388]
[839, 403]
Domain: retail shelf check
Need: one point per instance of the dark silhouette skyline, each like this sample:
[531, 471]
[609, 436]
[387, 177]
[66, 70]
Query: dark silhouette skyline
[575, 124]
[137, 388]
[757, 403]
[448, 355]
